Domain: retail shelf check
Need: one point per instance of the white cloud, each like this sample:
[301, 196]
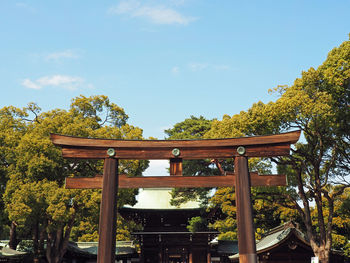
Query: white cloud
[156, 14]
[30, 84]
[125, 7]
[68, 53]
[175, 70]
[198, 66]
[60, 81]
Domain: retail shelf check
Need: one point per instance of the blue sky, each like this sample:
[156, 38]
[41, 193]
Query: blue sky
[162, 61]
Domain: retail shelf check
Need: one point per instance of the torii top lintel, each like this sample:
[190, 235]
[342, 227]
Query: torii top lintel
[257, 146]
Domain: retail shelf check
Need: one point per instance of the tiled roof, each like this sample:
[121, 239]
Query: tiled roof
[6, 251]
[122, 247]
[276, 236]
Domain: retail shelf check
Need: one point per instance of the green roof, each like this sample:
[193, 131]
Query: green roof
[276, 236]
[118, 251]
[7, 252]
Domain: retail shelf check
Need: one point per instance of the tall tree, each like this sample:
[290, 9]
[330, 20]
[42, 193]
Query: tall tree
[35, 196]
[317, 104]
[12, 128]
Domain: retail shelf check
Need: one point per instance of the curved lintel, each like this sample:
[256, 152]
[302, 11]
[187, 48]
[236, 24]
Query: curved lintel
[257, 146]
[63, 140]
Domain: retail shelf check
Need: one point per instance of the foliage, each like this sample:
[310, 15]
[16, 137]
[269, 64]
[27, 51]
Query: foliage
[35, 197]
[191, 128]
[225, 223]
[197, 224]
[223, 200]
[12, 128]
[318, 105]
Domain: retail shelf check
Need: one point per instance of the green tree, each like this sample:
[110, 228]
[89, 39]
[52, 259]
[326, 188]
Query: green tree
[266, 214]
[318, 105]
[192, 128]
[35, 197]
[12, 128]
[223, 200]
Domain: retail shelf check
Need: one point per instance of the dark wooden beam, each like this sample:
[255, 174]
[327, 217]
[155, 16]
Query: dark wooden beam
[259, 146]
[61, 140]
[186, 153]
[175, 181]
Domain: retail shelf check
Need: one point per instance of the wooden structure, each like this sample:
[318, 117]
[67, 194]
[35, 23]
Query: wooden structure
[164, 236]
[287, 243]
[174, 150]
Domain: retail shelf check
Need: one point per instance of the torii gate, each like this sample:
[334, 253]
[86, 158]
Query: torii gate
[176, 150]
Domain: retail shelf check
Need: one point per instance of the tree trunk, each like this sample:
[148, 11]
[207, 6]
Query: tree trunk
[57, 242]
[13, 236]
[321, 248]
[52, 254]
[323, 254]
[35, 235]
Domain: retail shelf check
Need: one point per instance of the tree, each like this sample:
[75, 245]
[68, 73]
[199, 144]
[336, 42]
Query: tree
[318, 105]
[35, 197]
[12, 128]
[266, 214]
[223, 201]
[192, 128]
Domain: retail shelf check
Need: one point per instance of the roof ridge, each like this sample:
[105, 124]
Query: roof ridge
[289, 224]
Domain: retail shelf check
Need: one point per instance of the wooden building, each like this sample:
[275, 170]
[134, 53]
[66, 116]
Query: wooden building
[222, 249]
[165, 238]
[287, 243]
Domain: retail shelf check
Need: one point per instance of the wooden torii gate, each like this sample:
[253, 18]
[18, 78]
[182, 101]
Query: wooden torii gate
[176, 150]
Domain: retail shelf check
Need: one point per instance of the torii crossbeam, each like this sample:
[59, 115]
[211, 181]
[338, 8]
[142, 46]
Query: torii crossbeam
[176, 150]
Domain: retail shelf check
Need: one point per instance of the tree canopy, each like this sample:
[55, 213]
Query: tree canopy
[318, 168]
[35, 198]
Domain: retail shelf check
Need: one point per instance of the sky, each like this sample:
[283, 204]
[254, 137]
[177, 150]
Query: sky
[162, 61]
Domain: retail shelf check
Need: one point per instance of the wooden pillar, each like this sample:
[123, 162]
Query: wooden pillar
[108, 213]
[190, 259]
[246, 237]
[176, 167]
[208, 257]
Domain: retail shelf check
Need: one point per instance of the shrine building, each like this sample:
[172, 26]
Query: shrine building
[165, 238]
